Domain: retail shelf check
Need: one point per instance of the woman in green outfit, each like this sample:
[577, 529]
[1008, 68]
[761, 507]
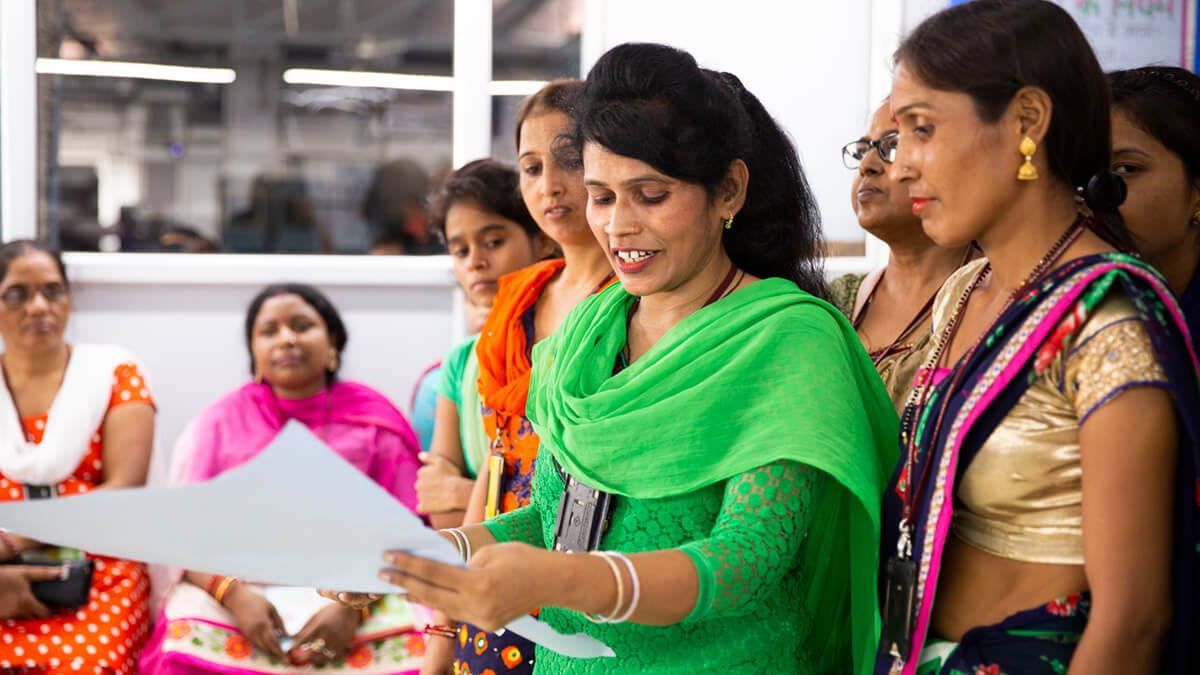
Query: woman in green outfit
[727, 414]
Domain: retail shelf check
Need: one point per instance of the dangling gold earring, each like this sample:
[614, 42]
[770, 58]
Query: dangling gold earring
[1027, 171]
[333, 363]
[729, 222]
[1196, 217]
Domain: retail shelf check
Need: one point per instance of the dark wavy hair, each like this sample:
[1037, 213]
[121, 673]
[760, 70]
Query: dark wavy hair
[1164, 102]
[19, 248]
[490, 186]
[315, 299]
[653, 103]
[990, 49]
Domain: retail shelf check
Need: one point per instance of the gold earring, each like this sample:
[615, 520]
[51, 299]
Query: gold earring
[1027, 171]
[333, 363]
[1196, 217]
[729, 222]
[258, 376]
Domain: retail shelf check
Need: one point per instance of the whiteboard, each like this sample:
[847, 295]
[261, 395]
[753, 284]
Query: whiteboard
[1123, 33]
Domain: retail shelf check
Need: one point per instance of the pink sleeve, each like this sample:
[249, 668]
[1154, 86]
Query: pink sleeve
[395, 465]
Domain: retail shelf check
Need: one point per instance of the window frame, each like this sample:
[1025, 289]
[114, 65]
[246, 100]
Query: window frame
[470, 132]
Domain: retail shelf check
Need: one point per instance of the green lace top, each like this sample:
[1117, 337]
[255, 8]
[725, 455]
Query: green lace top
[744, 536]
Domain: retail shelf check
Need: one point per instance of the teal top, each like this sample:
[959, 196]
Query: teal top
[424, 403]
[453, 366]
[458, 383]
[745, 537]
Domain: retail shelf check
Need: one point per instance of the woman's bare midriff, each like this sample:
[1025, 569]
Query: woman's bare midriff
[976, 588]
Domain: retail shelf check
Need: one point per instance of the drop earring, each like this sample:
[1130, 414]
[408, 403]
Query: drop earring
[729, 222]
[1027, 171]
[333, 363]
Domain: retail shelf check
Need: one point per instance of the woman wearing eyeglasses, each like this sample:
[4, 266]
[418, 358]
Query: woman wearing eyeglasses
[890, 307]
[73, 419]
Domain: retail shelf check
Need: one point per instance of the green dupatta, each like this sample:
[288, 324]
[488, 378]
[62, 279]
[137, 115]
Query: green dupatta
[768, 373]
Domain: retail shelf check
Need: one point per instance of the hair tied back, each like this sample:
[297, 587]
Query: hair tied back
[1105, 191]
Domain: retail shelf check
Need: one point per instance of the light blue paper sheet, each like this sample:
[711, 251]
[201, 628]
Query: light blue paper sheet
[296, 514]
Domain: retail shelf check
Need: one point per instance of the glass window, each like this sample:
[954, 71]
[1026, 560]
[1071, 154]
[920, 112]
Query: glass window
[268, 152]
[533, 41]
[504, 120]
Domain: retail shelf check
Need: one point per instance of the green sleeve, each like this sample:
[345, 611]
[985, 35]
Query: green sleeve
[449, 384]
[756, 540]
[523, 525]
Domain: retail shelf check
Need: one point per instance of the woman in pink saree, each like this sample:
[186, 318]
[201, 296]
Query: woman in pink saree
[215, 624]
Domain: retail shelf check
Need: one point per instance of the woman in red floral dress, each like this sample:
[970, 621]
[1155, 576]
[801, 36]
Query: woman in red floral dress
[73, 418]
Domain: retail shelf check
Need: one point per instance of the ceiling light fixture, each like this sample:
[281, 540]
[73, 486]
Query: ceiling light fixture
[515, 87]
[358, 78]
[141, 71]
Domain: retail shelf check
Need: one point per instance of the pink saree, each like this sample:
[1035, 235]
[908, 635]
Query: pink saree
[193, 633]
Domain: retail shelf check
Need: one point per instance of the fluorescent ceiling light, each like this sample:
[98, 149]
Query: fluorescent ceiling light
[358, 78]
[141, 71]
[515, 87]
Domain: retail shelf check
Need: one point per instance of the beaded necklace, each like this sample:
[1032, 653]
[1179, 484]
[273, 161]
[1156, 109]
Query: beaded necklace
[901, 569]
[917, 402]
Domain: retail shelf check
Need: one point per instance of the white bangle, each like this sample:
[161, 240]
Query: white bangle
[600, 618]
[633, 602]
[458, 541]
[466, 543]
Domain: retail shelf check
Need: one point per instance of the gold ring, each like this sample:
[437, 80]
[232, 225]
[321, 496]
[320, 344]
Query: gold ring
[316, 645]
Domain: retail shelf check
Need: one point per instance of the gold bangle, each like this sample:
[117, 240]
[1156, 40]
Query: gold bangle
[365, 615]
[223, 589]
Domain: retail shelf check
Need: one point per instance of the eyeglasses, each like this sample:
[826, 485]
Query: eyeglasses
[15, 296]
[855, 152]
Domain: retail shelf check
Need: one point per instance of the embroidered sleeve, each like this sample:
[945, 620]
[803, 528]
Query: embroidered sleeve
[844, 290]
[1112, 359]
[523, 525]
[758, 534]
[129, 386]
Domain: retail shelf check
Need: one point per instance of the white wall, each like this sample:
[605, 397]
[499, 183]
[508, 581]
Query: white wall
[183, 316]
[808, 62]
[1122, 35]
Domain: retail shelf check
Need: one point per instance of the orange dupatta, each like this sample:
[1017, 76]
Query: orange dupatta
[503, 364]
[504, 370]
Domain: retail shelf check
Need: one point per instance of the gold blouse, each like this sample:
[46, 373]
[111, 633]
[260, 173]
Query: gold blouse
[1021, 497]
[899, 370]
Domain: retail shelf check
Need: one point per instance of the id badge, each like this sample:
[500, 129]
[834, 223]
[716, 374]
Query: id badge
[495, 480]
[898, 608]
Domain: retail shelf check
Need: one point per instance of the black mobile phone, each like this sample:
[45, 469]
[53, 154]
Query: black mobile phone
[70, 589]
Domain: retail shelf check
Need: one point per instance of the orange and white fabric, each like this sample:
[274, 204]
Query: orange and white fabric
[105, 636]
